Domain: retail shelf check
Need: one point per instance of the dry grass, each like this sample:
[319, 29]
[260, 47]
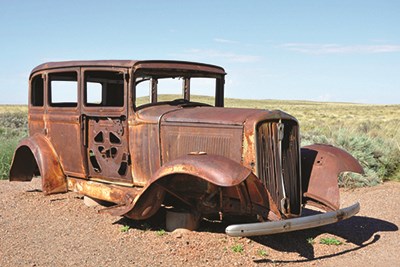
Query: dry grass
[13, 108]
[377, 120]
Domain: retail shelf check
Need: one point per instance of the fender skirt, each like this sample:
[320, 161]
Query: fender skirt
[321, 166]
[34, 153]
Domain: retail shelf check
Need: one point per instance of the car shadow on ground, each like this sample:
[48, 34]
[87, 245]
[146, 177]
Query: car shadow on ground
[156, 222]
[357, 230]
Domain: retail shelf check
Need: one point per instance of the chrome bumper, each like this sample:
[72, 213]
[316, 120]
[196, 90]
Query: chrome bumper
[267, 228]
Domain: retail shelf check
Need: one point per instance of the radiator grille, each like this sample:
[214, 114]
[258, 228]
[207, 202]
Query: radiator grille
[278, 162]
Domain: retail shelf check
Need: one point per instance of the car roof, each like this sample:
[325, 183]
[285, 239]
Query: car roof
[142, 64]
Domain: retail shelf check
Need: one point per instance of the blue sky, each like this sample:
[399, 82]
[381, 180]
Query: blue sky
[347, 51]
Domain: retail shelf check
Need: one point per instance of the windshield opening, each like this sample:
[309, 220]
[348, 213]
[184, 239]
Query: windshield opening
[179, 89]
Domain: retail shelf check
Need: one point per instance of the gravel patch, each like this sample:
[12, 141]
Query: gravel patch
[59, 230]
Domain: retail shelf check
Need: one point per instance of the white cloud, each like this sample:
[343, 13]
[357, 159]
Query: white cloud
[225, 41]
[319, 49]
[215, 54]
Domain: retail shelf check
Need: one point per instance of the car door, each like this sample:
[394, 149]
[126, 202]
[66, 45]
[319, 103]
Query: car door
[104, 114]
[62, 123]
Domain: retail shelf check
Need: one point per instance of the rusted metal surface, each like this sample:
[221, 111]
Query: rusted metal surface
[226, 116]
[108, 150]
[208, 160]
[321, 166]
[173, 66]
[61, 126]
[36, 155]
[179, 139]
[144, 133]
[136, 64]
[278, 164]
[218, 170]
[203, 176]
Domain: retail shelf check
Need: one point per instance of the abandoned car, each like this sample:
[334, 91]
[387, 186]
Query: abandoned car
[140, 135]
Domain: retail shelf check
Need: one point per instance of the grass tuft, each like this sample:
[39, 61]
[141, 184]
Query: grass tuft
[161, 232]
[262, 253]
[237, 248]
[311, 241]
[330, 241]
[125, 228]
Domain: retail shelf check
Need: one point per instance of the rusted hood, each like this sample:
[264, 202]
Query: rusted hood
[224, 132]
[227, 116]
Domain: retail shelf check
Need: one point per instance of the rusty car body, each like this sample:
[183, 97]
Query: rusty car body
[92, 130]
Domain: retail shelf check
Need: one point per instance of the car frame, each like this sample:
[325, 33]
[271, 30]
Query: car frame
[189, 157]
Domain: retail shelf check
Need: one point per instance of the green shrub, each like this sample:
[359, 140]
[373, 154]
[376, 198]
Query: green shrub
[13, 127]
[14, 120]
[7, 147]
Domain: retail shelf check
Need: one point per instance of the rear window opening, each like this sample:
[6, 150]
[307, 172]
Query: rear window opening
[37, 91]
[63, 89]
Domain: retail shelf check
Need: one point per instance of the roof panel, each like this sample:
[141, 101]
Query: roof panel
[138, 64]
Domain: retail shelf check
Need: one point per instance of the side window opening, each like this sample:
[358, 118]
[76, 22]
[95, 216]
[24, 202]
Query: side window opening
[104, 89]
[203, 90]
[37, 91]
[143, 90]
[63, 89]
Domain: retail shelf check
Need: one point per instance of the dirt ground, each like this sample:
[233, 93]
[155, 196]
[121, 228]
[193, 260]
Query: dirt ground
[59, 230]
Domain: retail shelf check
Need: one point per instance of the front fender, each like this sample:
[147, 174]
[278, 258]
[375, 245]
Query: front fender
[235, 181]
[215, 169]
[36, 152]
[321, 166]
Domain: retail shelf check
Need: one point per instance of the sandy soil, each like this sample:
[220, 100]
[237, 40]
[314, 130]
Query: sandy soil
[59, 230]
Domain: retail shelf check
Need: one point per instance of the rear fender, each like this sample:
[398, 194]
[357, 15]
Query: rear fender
[321, 166]
[34, 154]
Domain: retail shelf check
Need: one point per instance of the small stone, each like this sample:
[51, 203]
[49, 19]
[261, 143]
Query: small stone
[181, 232]
[178, 235]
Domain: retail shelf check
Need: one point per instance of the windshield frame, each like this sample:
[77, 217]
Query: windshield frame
[155, 74]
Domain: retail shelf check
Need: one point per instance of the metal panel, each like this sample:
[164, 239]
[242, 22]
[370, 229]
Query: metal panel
[321, 166]
[145, 156]
[108, 153]
[183, 139]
